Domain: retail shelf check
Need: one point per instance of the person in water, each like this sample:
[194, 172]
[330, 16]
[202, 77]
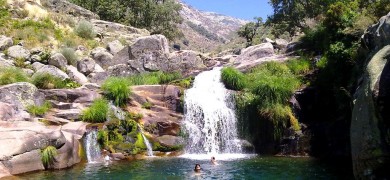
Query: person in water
[213, 161]
[197, 168]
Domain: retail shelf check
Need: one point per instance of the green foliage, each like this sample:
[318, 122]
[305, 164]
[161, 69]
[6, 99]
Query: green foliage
[233, 79]
[154, 78]
[48, 156]
[117, 89]
[184, 83]
[299, 66]
[12, 75]
[249, 30]
[129, 125]
[147, 105]
[20, 62]
[70, 55]
[85, 30]
[158, 17]
[140, 142]
[48, 81]
[134, 116]
[97, 112]
[39, 110]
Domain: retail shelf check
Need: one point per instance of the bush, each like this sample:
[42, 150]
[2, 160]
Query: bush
[70, 55]
[117, 89]
[12, 75]
[97, 112]
[48, 81]
[39, 110]
[85, 30]
[20, 62]
[48, 156]
[232, 78]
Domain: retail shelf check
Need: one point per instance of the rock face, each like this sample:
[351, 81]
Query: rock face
[370, 125]
[10, 112]
[65, 7]
[18, 52]
[5, 42]
[21, 144]
[21, 95]
[170, 141]
[256, 52]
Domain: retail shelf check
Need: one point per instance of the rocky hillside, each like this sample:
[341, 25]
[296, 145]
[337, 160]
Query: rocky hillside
[205, 31]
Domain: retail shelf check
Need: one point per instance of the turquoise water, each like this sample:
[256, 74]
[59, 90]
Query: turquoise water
[182, 168]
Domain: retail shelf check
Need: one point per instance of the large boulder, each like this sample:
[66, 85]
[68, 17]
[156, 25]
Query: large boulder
[114, 47]
[378, 35]
[185, 60]
[5, 42]
[86, 65]
[76, 75]
[256, 52]
[58, 60]
[102, 57]
[71, 95]
[18, 52]
[120, 70]
[21, 95]
[49, 69]
[369, 124]
[280, 44]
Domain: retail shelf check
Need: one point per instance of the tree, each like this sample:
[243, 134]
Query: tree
[248, 31]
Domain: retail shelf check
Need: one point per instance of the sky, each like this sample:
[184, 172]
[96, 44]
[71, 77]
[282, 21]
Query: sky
[244, 9]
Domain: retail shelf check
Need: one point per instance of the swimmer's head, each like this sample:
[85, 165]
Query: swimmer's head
[197, 168]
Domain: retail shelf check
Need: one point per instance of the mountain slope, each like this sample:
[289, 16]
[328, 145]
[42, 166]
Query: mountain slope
[205, 31]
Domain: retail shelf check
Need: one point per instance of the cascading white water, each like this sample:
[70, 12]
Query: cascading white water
[92, 148]
[147, 143]
[209, 116]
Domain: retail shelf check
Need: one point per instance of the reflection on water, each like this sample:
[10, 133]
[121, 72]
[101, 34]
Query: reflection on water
[182, 168]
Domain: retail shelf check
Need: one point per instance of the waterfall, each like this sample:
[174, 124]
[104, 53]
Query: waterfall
[209, 116]
[92, 147]
[147, 143]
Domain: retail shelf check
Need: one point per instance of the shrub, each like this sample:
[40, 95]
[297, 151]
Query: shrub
[48, 156]
[70, 55]
[12, 75]
[97, 112]
[47, 81]
[154, 78]
[39, 110]
[85, 30]
[117, 89]
[20, 62]
[232, 78]
[299, 66]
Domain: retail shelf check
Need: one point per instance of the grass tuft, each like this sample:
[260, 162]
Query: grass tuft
[70, 55]
[47, 81]
[48, 156]
[12, 75]
[232, 78]
[299, 66]
[117, 89]
[97, 112]
[39, 110]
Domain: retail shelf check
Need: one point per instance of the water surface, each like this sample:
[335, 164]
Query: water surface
[182, 168]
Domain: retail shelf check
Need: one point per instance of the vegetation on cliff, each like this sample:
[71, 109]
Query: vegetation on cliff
[159, 17]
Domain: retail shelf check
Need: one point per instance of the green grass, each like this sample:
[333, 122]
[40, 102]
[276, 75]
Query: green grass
[39, 110]
[233, 79]
[147, 105]
[154, 78]
[140, 142]
[117, 89]
[48, 156]
[85, 30]
[299, 66]
[70, 55]
[97, 112]
[48, 81]
[12, 75]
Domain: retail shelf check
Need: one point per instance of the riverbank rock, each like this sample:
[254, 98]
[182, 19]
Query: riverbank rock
[21, 95]
[170, 141]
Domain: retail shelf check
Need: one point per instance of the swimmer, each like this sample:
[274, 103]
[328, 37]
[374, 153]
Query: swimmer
[213, 161]
[197, 168]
